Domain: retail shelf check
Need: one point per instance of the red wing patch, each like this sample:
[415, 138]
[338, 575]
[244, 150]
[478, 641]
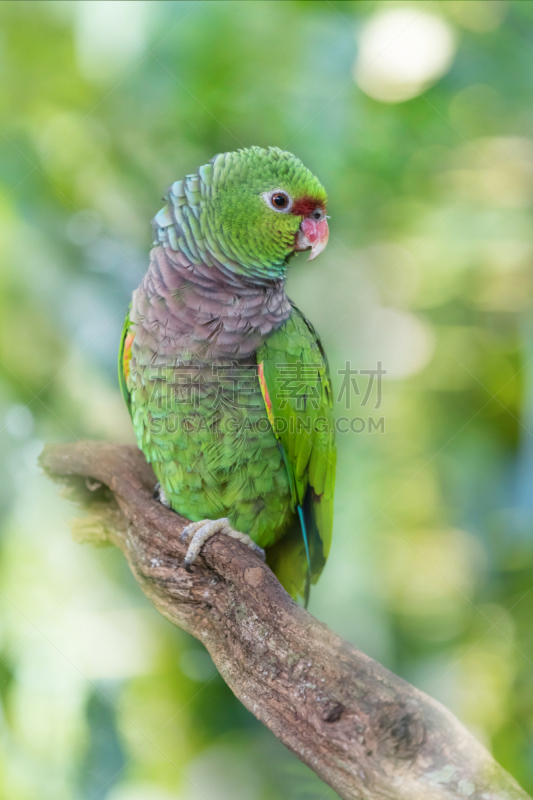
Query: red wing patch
[264, 391]
[126, 357]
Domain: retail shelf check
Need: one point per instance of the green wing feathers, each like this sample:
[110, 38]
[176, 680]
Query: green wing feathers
[294, 376]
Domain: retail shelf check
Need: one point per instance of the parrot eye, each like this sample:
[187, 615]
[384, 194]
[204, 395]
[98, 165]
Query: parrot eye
[278, 200]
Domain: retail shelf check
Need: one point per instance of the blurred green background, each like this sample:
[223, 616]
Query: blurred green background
[418, 118]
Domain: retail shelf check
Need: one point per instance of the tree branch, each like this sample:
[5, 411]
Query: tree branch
[366, 732]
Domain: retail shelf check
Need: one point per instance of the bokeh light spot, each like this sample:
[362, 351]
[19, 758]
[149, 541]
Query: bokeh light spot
[402, 51]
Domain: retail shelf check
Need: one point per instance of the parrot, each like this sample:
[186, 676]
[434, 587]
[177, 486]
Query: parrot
[226, 381]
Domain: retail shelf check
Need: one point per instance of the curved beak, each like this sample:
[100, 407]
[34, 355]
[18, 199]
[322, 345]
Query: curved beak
[312, 234]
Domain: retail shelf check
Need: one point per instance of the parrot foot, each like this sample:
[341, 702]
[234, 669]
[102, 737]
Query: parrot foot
[203, 530]
[160, 495]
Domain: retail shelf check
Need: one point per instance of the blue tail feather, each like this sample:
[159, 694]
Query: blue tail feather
[306, 543]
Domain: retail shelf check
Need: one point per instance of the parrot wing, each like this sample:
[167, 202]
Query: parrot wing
[296, 387]
[124, 356]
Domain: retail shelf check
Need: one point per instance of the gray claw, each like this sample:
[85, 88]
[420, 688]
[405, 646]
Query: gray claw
[158, 494]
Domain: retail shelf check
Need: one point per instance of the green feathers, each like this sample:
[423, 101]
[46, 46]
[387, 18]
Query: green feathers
[221, 212]
[296, 379]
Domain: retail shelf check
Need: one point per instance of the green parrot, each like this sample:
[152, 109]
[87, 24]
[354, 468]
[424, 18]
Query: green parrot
[225, 379]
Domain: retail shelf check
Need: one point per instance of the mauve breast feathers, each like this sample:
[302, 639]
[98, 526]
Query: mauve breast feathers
[201, 312]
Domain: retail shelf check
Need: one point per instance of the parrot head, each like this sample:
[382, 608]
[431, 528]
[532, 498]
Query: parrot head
[251, 209]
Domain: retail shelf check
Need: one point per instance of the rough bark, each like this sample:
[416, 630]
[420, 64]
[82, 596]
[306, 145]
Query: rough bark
[366, 732]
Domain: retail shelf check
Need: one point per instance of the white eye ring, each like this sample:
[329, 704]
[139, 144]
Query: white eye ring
[270, 200]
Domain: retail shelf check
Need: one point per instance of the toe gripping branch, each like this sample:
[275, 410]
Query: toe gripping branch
[200, 532]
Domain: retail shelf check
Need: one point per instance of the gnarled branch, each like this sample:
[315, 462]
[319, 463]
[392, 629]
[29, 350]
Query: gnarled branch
[366, 732]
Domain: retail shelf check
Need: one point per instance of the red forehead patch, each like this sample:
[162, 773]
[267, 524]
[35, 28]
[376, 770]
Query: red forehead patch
[303, 206]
